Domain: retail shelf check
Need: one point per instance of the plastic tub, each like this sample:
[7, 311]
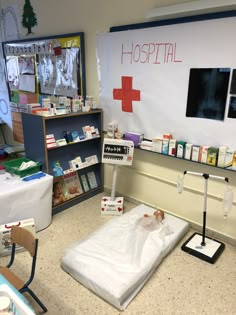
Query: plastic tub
[12, 167]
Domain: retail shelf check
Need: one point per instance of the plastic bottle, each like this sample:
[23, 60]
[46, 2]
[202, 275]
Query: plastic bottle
[180, 183]
[228, 200]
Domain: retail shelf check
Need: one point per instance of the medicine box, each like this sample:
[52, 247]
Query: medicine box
[195, 153]
[146, 145]
[172, 147]
[188, 151]
[203, 154]
[165, 146]
[229, 156]
[221, 157]
[5, 235]
[212, 156]
[136, 137]
[181, 149]
[157, 144]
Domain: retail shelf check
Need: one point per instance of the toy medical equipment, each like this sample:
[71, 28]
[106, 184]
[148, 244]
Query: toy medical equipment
[117, 152]
[199, 245]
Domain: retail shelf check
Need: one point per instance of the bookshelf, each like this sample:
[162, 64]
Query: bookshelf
[35, 130]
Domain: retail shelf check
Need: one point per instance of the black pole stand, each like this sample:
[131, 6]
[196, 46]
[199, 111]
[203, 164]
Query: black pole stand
[199, 245]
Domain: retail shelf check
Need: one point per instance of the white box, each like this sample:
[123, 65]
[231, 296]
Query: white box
[172, 147]
[51, 145]
[146, 145]
[157, 145]
[229, 155]
[188, 151]
[50, 136]
[5, 235]
[76, 164]
[221, 156]
[195, 153]
[181, 149]
[50, 140]
[112, 207]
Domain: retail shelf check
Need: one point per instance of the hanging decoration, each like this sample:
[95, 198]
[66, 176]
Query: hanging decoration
[29, 19]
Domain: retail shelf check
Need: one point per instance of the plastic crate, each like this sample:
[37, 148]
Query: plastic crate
[12, 167]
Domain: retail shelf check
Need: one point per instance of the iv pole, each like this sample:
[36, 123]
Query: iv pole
[199, 245]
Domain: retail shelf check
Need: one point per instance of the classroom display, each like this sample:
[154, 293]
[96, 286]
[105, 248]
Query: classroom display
[75, 162]
[176, 76]
[43, 67]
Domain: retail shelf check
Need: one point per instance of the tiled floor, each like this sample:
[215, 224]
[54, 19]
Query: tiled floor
[182, 284]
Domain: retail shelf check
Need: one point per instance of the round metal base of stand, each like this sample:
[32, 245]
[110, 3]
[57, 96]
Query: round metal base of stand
[210, 252]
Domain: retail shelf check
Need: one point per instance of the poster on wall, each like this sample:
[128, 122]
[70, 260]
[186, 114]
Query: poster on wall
[44, 67]
[58, 74]
[147, 77]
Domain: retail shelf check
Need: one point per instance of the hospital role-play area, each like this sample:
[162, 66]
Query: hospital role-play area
[118, 160]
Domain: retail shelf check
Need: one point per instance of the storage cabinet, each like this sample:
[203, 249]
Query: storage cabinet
[35, 129]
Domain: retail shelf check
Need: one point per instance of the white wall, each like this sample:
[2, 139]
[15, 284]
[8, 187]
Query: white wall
[152, 178]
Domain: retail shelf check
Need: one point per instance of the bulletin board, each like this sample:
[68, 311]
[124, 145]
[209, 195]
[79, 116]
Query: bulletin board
[173, 76]
[41, 68]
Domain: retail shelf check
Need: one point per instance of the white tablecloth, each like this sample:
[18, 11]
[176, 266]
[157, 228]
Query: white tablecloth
[20, 200]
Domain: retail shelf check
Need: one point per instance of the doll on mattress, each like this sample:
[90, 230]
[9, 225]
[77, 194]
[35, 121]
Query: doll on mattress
[155, 222]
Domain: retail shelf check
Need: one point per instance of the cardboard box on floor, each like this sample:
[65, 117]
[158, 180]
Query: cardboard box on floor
[5, 235]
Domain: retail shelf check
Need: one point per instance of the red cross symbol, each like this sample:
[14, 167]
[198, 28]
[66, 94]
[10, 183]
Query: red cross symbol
[126, 94]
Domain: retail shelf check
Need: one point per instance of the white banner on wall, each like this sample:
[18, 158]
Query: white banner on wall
[144, 78]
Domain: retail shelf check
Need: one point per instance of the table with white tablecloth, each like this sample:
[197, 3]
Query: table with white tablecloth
[20, 200]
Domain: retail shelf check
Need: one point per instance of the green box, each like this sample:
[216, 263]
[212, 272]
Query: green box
[12, 167]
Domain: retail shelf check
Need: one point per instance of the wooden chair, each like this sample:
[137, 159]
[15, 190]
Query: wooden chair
[22, 237]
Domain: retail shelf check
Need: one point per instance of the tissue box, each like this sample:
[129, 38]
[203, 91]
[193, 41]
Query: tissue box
[5, 235]
[135, 137]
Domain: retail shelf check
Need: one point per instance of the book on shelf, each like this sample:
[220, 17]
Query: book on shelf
[59, 194]
[73, 185]
[84, 183]
[92, 180]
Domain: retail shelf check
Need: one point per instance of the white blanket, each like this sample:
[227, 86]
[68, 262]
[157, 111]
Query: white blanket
[116, 260]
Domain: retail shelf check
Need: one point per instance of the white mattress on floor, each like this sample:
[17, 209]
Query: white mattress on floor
[116, 260]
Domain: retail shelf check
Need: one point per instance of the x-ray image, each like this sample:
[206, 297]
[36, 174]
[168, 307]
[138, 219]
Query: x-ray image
[207, 93]
[233, 83]
[232, 107]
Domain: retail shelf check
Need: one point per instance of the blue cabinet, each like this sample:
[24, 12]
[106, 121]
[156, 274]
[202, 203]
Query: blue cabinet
[37, 128]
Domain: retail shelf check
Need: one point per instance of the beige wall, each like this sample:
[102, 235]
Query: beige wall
[152, 178]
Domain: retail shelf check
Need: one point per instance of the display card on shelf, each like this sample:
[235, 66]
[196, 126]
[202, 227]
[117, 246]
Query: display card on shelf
[92, 180]
[73, 185]
[93, 159]
[59, 194]
[84, 182]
